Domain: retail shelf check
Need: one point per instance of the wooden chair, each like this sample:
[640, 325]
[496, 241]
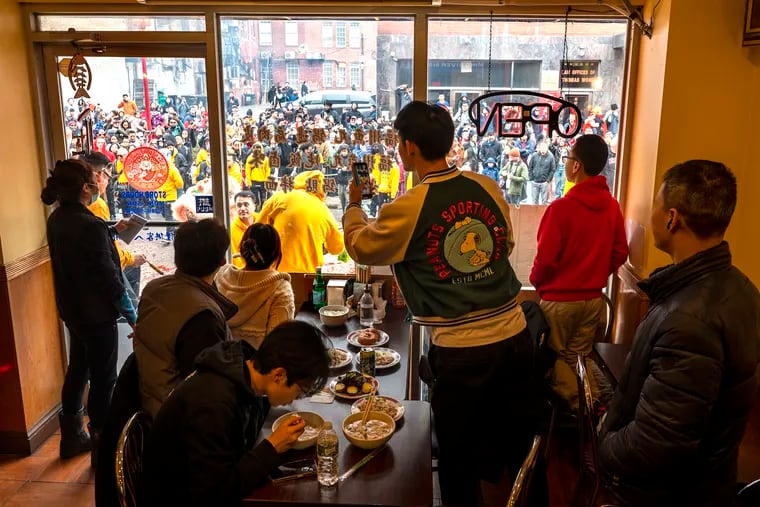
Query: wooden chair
[128, 460]
[587, 441]
[521, 487]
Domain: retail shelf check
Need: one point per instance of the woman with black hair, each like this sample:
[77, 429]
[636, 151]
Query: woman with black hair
[263, 295]
[90, 297]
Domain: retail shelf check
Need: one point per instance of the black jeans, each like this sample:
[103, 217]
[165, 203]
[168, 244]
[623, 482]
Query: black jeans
[92, 356]
[485, 411]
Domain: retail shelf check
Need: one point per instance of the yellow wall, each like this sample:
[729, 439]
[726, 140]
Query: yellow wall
[693, 75]
[22, 217]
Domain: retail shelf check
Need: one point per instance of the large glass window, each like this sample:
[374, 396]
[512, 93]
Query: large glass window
[340, 35]
[265, 35]
[292, 72]
[356, 75]
[56, 22]
[340, 75]
[291, 33]
[586, 68]
[327, 74]
[327, 34]
[355, 34]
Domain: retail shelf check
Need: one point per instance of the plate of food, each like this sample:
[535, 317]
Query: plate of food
[339, 358]
[367, 337]
[384, 358]
[383, 404]
[353, 385]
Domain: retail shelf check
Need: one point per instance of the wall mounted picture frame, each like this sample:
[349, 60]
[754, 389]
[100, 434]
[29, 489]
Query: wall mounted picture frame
[752, 23]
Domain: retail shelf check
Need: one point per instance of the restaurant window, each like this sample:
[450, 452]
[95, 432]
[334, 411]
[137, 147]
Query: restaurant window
[265, 33]
[340, 35]
[292, 69]
[327, 74]
[356, 75]
[355, 35]
[62, 23]
[587, 68]
[291, 33]
[340, 76]
[327, 34]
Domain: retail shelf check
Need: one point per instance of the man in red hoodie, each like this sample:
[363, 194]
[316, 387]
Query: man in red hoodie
[581, 241]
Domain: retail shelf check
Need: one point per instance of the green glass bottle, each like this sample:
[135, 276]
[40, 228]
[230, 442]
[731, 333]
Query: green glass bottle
[319, 290]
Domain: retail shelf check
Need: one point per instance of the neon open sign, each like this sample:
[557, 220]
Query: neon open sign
[508, 119]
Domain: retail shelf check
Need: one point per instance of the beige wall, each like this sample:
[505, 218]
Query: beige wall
[22, 216]
[692, 66]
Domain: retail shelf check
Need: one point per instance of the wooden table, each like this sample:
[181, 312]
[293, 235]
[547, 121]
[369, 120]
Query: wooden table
[393, 381]
[611, 359]
[400, 475]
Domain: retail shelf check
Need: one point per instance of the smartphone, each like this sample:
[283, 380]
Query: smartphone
[362, 179]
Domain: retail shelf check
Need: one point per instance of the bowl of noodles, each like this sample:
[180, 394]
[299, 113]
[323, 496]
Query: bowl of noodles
[314, 423]
[375, 432]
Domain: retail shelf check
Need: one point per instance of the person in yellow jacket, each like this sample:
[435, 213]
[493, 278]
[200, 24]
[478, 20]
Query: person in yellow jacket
[386, 177]
[167, 193]
[305, 224]
[100, 208]
[245, 217]
[257, 171]
[234, 170]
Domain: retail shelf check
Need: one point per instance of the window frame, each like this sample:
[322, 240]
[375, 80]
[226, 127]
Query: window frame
[341, 28]
[291, 31]
[354, 35]
[327, 72]
[327, 26]
[262, 23]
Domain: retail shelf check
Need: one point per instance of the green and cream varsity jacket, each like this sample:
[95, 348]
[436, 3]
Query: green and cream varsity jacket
[448, 241]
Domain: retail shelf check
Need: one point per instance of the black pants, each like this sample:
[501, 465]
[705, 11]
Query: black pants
[92, 356]
[485, 416]
[259, 194]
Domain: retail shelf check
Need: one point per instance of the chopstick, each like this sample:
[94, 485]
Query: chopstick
[368, 408]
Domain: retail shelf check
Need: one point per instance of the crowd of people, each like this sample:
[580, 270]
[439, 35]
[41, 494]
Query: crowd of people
[215, 344]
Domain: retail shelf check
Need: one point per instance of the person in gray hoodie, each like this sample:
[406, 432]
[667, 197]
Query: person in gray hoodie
[202, 448]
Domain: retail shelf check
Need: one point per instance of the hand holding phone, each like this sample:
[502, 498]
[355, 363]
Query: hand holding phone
[362, 179]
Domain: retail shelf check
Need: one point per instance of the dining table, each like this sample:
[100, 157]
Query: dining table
[611, 359]
[401, 473]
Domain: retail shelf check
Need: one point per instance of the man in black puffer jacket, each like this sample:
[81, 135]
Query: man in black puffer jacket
[672, 433]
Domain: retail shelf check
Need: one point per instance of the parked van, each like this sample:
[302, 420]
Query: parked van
[315, 101]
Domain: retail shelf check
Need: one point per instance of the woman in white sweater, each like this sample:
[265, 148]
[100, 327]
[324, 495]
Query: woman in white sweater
[263, 295]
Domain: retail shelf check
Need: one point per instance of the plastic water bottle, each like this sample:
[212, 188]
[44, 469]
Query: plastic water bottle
[327, 456]
[366, 308]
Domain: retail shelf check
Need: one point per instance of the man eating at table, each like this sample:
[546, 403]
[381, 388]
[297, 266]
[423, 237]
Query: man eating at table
[202, 447]
[448, 240]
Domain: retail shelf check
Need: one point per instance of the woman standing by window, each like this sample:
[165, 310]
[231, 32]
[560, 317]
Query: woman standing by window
[89, 294]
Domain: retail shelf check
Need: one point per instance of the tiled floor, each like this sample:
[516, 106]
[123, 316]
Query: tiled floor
[43, 479]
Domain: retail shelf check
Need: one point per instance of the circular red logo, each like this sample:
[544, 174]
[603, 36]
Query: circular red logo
[146, 168]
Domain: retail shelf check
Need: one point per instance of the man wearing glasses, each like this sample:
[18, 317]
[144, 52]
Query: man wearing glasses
[581, 241]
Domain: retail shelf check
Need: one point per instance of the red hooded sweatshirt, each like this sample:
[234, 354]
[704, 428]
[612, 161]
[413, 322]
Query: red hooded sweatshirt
[581, 241]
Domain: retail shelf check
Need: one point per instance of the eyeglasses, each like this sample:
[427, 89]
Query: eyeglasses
[565, 158]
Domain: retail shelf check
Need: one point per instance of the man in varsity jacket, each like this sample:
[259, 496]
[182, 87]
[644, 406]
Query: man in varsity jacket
[448, 240]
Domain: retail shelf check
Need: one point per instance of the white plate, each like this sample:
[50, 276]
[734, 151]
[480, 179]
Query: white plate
[341, 364]
[378, 351]
[347, 396]
[358, 406]
[351, 338]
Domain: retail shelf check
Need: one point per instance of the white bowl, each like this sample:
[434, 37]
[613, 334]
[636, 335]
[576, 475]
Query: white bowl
[333, 315]
[312, 419]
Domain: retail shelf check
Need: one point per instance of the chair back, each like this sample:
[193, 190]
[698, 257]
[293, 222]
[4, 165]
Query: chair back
[749, 495]
[521, 487]
[587, 439]
[129, 452]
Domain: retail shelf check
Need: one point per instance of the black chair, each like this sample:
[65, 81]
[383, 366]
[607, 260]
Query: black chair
[749, 495]
[128, 462]
[589, 478]
[521, 487]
